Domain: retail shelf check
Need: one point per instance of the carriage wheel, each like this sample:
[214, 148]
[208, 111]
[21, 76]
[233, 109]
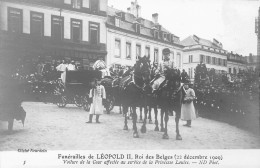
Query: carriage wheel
[110, 103]
[85, 103]
[61, 102]
[78, 101]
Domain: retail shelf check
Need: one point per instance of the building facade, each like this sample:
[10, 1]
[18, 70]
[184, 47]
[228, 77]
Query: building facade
[130, 36]
[198, 50]
[54, 30]
[236, 63]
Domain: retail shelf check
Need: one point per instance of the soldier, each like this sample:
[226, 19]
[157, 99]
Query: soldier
[167, 63]
[184, 76]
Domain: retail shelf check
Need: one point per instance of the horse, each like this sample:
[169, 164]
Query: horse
[168, 96]
[132, 91]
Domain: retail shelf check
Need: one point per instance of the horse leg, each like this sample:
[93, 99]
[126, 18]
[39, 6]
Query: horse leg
[125, 115]
[10, 124]
[177, 119]
[143, 129]
[150, 115]
[156, 120]
[120, 109]
[166, 119]
[135, 134]
[141, 114]
[129, 110]
[162, 114]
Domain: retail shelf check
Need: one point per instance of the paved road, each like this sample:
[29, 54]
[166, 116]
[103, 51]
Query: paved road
[52, 128]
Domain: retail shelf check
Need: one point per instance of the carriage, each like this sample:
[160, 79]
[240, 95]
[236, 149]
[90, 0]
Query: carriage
[75, 88]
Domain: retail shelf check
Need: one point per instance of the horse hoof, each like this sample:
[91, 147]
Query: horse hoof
[143, 129]
[135, 135]
[156, 129]
[165, 136]
[125, 127]
[162, 130]
[150, 122]
[178, 137]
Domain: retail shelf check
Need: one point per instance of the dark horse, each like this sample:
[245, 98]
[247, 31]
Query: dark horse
[132, 90]
[168, 96]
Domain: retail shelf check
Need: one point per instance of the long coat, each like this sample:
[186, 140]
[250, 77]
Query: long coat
[188, 109]
[10, 100]
[97, 94]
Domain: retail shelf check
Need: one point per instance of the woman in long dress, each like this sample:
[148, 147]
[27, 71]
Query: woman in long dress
[187, 108]
[97, 94]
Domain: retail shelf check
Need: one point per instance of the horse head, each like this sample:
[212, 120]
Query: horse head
[173, 78]
[142, 69]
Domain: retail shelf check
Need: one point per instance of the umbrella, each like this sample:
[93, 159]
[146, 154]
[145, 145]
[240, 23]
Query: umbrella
[99, 64]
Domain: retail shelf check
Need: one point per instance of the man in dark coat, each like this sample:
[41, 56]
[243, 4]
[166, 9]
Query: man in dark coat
[10, 100]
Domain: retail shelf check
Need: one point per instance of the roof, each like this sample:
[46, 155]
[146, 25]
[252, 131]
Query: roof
[194, 40]
[129, 20]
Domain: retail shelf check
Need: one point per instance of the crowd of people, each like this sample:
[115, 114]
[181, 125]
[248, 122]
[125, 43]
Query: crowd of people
[234, 94]
[215, 91]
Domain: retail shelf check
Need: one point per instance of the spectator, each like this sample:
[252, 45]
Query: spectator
[187, 108]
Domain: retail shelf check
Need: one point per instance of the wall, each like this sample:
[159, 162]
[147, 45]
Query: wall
[236, 65]
[196, 60]
[48, 11]
[133, 39]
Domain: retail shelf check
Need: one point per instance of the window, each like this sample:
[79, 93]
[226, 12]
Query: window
[117, 22]
[208, 59]
[219, 61]
[137, 28]
[117, 48]
[225, 62]
[156, 55]
[234, 71]
[94, 33]
[76, 30]
[15, 20]
[169, 37]
[138, 51]
[190, 58]
[161, 35]
[37, 24]
[57, 27]
[202, 58]
[128, 50]
[164, 36]
[179, 58]
[76, 4]
[147, 52]
[156, 34]
[94, 5]
[213, 60]
[229, 70]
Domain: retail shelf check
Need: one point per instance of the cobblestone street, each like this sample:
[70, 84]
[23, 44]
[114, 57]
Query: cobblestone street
[52, 128]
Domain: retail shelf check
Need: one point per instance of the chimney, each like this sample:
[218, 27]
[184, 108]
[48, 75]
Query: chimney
[138, 8]
[129, 10]
[155, 18]
[132, 7]
[250, 54]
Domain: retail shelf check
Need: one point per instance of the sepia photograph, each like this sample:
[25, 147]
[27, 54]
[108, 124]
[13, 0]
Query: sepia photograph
[129, 75]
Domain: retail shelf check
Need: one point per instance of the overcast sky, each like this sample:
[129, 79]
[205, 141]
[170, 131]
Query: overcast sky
[231, 22]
